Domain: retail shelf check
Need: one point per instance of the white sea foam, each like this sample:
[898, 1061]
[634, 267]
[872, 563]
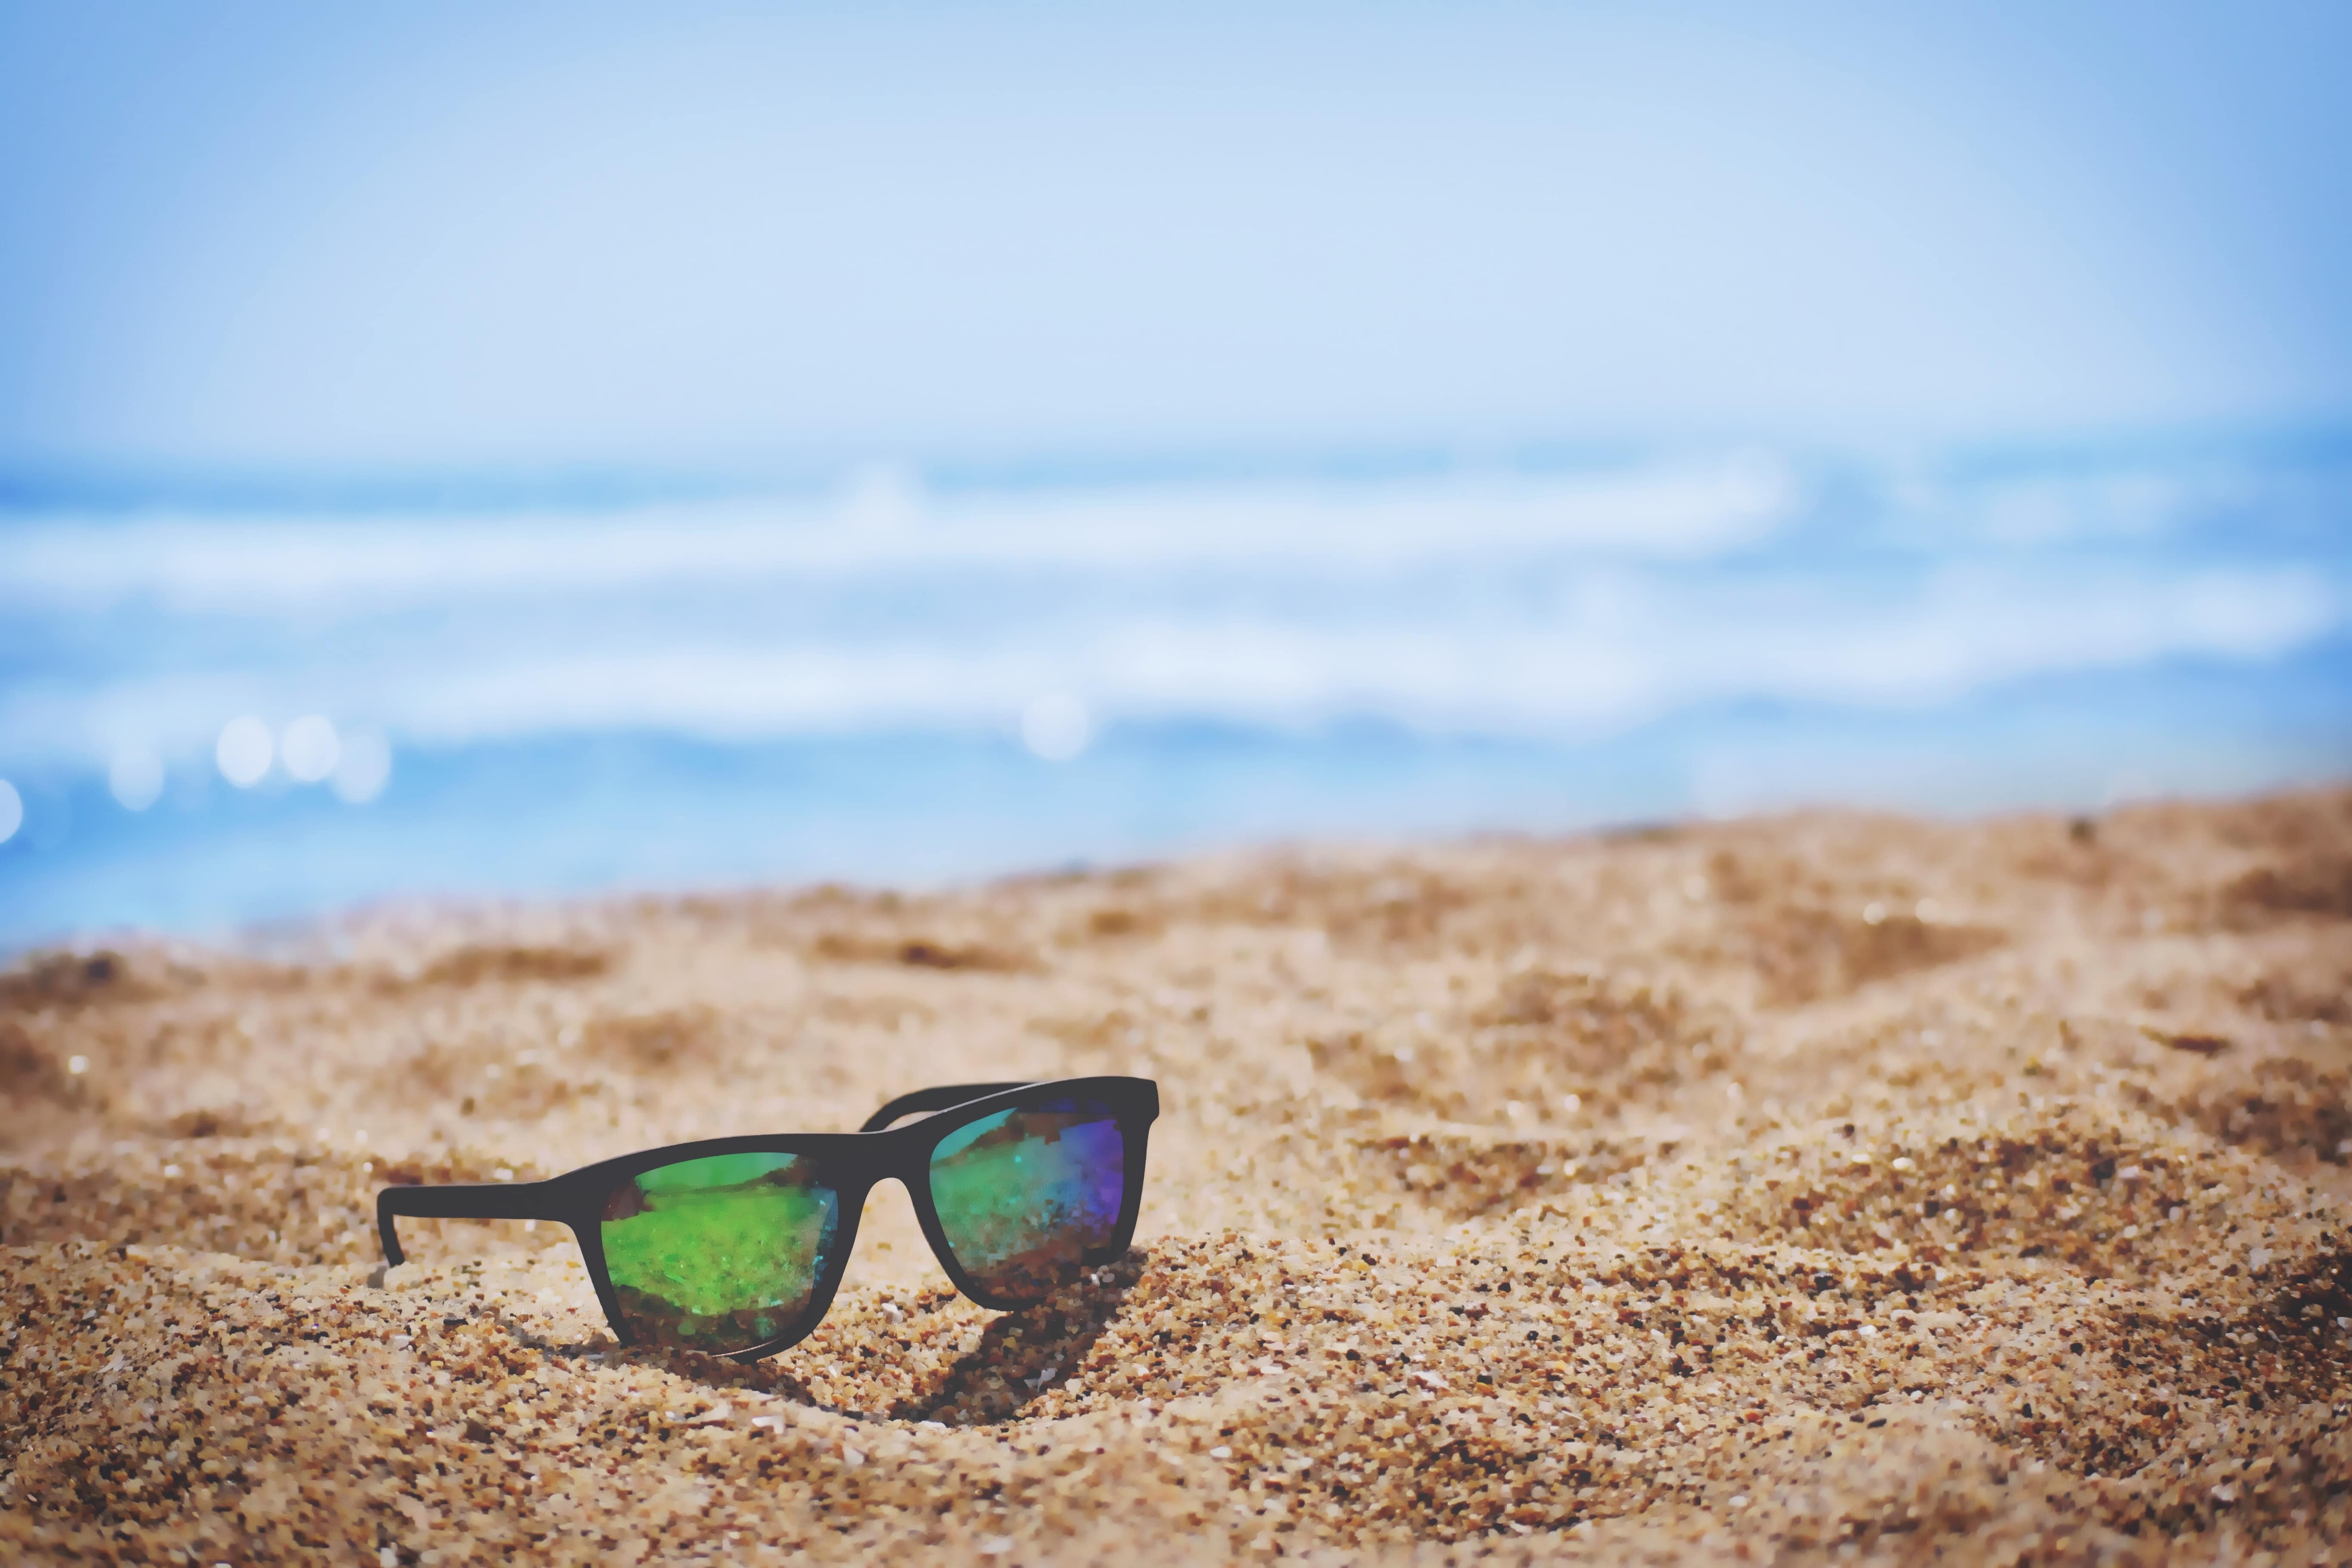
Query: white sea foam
[888, 526]
[1530, 605]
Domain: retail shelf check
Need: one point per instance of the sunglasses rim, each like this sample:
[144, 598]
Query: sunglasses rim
[851, 1165]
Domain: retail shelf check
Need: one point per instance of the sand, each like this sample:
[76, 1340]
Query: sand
[1825, 1187]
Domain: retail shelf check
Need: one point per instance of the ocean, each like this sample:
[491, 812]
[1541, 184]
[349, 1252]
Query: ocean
[225, 708]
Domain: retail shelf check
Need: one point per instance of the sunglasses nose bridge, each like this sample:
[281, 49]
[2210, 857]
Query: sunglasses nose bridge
[891, 1234]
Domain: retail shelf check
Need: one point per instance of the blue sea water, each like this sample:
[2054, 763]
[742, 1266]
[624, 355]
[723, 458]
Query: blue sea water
[913, 676]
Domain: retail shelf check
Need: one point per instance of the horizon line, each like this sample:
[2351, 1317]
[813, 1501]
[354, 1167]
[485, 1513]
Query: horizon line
[130, 484]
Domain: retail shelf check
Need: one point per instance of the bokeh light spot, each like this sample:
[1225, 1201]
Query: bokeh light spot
[135, 777]
[310, 748]
[363, 767]
[1056, 727]
[244, 752]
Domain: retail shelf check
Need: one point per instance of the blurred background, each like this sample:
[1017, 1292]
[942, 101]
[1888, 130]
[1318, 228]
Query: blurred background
[525, 449]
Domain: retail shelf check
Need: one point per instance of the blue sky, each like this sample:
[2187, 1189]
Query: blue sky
[272, 237]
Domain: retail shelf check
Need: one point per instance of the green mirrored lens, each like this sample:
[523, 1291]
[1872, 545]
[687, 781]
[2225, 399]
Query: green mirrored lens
[718, 1254]
[1023, 1194]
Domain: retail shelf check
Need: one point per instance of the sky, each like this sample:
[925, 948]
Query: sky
[699, 237]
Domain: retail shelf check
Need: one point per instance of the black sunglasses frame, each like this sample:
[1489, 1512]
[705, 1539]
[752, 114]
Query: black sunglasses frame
[849, 1164]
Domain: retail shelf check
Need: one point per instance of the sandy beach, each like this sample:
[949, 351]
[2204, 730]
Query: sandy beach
[1815, 1188]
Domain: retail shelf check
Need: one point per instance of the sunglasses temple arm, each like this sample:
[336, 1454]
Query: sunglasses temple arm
[501, 1200]
[939, 1098]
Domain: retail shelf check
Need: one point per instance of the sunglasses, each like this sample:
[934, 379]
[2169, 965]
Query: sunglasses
[734, 1246]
